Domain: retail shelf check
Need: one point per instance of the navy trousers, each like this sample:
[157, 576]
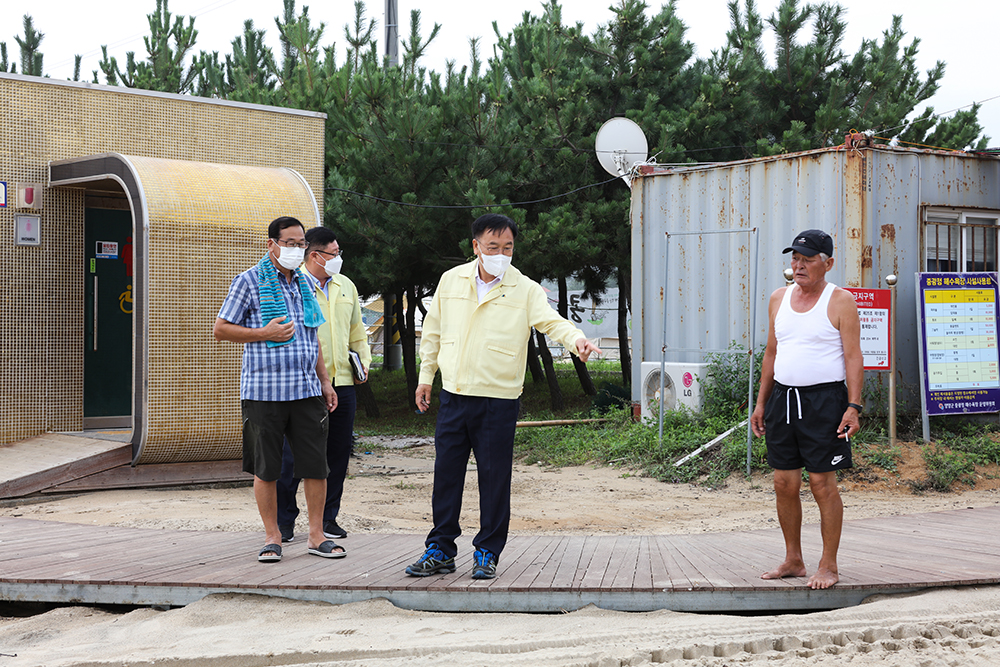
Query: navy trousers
[484, 426]
[338, 452]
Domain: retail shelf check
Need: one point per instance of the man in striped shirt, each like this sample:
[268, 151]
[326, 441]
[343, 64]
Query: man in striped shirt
[285, 389]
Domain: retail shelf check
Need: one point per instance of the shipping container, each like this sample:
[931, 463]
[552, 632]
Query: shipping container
[889, 211]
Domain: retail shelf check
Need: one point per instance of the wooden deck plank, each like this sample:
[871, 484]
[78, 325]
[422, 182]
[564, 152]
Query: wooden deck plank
[578, 552]
[45, 460]
[668, 573]
[728, 557]
[593, 575]
[622, 575]
[518, 555]
[919, 551]
[534, 566]
[154, 475]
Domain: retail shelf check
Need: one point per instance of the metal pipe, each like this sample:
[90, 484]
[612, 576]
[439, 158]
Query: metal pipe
[663, 339]
[751, 343]
[890, 280]
[561, 422]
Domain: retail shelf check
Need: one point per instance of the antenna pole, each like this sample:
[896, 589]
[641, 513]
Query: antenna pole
[391, 33]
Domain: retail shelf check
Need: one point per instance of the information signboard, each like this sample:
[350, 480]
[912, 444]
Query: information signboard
[960, 359]
[873, 312]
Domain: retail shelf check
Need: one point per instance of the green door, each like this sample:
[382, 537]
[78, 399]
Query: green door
[107, 358]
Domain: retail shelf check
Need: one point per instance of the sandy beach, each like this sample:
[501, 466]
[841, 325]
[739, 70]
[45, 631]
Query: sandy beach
[389, 491]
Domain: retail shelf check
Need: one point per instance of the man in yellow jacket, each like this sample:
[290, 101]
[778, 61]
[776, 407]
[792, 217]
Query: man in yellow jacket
[342, 333]
[476, 332]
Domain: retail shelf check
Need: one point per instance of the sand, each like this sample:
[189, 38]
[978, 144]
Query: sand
[390, 492]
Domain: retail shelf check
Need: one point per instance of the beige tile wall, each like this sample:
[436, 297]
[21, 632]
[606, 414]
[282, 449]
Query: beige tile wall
[41, 313]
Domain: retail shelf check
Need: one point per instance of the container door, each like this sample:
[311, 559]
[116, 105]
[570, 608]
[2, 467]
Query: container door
[107, 361]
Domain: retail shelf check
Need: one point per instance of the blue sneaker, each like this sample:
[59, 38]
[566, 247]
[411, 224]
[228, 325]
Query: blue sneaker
[486, 564]
[432, 562]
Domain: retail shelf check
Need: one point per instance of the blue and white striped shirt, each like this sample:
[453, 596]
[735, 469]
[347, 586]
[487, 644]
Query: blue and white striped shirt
[283, 373]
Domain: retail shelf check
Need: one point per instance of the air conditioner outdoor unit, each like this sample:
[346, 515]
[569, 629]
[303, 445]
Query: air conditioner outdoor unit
[682, 385]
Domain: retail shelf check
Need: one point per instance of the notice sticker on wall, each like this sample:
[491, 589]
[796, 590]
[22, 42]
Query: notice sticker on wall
[874, 318]
[3, 194]
[107, 250]
[28, 230]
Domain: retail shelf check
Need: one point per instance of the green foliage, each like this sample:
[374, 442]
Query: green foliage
[623, 442]
[980, 443]
[167, 46]
[945, 468]
[611, 396]
[725, 392]
[877, 453]
[31, 57]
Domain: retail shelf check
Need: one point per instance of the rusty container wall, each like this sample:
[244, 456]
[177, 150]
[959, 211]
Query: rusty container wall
[903, 182]
[868, 200]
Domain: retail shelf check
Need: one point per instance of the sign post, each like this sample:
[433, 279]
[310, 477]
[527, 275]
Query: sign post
[890, 280]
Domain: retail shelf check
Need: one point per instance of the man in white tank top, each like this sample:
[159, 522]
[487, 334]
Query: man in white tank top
[813, 348]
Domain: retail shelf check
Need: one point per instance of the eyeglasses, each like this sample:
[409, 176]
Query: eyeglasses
[496, 250]
[331, 254]
[292, 244]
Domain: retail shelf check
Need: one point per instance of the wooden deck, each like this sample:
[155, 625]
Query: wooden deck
[96, 460]
[712, 572]
[46, 460]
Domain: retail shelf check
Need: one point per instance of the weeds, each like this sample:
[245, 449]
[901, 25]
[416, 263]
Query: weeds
[944, 468]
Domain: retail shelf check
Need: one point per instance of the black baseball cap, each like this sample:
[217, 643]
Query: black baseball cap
[811, 242]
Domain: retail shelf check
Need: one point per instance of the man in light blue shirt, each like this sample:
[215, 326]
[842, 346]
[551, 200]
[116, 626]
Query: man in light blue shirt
[285, 390]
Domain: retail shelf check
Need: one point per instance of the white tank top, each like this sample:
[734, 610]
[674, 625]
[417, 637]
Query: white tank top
[809, 350]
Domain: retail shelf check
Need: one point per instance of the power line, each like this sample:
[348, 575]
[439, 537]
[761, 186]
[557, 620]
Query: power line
[938, 115]
[511, 204]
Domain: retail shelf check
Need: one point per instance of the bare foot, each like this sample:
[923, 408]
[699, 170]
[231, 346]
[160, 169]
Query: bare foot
[824, 578]
[787, 569]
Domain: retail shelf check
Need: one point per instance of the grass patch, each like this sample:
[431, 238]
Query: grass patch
[625, 443]
[880, 454]
[944, 468]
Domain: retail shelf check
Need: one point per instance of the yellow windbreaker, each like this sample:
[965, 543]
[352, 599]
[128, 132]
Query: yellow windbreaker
[343, 329]
[482, 348]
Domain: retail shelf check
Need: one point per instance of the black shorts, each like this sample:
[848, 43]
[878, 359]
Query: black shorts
[266, 424]
[801, 424]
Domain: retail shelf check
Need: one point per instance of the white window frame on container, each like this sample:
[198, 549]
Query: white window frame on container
[960, 240]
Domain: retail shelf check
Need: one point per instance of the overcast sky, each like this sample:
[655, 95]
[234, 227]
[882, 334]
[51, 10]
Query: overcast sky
[957, 32]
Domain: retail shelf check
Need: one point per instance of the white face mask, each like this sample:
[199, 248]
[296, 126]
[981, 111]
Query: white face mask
[290, 258]
[495, 265]
[333, 265]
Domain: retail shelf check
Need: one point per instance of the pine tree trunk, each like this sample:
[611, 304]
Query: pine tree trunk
[366, 398]
[408, 338]
[537, 374]
[581, 368]
[555, 393]
[624, 349]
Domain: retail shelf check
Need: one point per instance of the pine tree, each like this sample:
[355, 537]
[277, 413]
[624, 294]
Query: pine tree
[31, 57]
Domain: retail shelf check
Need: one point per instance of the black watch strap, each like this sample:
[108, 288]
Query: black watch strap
[859, 408]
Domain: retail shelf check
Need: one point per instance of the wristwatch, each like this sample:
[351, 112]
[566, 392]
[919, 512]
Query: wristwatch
[857, 407]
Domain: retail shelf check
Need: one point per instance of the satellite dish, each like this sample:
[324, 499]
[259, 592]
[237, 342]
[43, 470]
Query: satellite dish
[620, 145]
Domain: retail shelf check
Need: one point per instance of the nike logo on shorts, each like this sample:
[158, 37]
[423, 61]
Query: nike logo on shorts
[836, 460]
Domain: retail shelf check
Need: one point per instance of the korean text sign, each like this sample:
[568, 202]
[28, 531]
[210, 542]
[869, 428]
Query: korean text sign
[958, 326]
